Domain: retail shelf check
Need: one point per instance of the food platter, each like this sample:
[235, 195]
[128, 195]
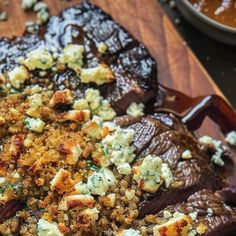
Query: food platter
[63, 153]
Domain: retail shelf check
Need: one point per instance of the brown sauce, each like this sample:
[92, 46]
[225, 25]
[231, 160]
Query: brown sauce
[223, 11]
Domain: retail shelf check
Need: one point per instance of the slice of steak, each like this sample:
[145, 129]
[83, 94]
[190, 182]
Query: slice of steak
[134, 68]
[213, 216]
[164, 136]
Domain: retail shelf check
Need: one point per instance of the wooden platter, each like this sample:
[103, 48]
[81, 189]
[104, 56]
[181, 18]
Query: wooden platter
[145, 19]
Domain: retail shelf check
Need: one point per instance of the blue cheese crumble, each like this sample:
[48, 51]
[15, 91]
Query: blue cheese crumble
[96, 103]
[18, 76]
[151, 174]
[135, 109]
[38, 59]
[119, 149]
[34, 124]
[72, 55]
[99, 75]
[231, 138]
[46, 228]
[99, 182]
[217, 145]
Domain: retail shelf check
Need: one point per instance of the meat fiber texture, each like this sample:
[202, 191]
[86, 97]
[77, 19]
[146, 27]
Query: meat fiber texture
[212, 210]
[86, 24]
[164, 136]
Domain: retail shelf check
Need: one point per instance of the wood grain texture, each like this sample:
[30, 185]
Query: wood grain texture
[178, 67]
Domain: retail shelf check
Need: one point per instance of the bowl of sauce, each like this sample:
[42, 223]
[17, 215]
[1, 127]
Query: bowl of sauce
[216, 18]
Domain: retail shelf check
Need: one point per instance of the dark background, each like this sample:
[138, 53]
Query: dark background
[217, 58]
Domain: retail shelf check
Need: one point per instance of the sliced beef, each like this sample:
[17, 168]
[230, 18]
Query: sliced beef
[213, 214]
[133, 66]
[164, 136]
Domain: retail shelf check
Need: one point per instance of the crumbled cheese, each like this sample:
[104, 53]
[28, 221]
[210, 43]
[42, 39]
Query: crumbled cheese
[105, 111]
[38, 59]
[166, 175]
[99, 182]
[179, 225]
[130, 194]
[135, 109]
[34, 124]
[18, 76]
[80, 104]
[40, 6]
[217, 156]
[98, 105]
[43, 16]
[95, 128]
[129, 232]
[35, 100]
[118, 146]
[124, 169]
[148, 174]
[151, 174]
[61, 181]
[3, 16]
[72, 55]
[99, 75]
[93, 98]
[28, 4]
[102, 47]
[72, 150]
[167, 214]
[192, 232]
[46, 228]
[2, 181]
[16, 175]
[193, 215]
[92, 130]
[187, 154]
[210, 211]
[231, 138]
[35, 89]
[82, 188]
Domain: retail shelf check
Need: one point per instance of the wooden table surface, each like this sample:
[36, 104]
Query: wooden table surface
[145, 19]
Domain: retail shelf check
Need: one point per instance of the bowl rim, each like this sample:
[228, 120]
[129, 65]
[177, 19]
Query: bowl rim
[208, 19]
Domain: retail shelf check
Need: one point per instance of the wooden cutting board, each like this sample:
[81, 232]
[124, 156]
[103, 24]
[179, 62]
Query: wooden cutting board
[145, 19]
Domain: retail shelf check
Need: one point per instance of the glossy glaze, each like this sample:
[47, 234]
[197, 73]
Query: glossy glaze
[223, 11]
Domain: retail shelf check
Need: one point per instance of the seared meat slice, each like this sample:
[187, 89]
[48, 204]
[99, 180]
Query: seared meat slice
[9, 209]
[134, 68]
[213, 217]
[164, 136]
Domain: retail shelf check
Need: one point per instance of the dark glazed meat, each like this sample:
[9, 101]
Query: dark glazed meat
[219, 218]
[134, 68]
[164, 136]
